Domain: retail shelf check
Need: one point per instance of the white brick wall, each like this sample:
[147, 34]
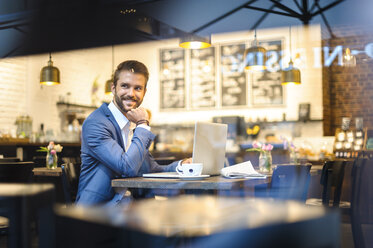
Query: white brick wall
[12, 91]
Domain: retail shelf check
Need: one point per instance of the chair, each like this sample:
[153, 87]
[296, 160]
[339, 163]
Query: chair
[362, 203]
[332, 177]
[70, 181]
[13, 172]
[9, 159]
[288, 182]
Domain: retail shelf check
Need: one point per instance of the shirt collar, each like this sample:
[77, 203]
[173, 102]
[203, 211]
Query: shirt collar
[118, 116]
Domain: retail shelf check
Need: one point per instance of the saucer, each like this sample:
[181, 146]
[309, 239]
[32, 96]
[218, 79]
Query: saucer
[193, 177]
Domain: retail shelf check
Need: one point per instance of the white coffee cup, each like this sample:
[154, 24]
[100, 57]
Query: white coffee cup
[193, 169]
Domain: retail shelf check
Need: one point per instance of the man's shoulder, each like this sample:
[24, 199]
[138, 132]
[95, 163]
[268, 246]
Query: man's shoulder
[99, 115]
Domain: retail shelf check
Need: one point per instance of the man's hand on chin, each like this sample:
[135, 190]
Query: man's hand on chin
[137, 114]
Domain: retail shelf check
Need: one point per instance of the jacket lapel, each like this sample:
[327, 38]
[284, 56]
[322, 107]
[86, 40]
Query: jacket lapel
[109, 115]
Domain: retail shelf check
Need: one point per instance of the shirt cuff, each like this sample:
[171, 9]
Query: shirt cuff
[178, 165]
[144, 126]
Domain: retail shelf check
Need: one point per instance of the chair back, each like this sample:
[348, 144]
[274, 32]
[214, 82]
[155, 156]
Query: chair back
[9, 159]
[16, 172]
[332, 179]
[362, 202]
[70, 181]
[290, 182]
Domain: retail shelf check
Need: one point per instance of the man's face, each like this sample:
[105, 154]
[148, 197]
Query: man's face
[129, 91]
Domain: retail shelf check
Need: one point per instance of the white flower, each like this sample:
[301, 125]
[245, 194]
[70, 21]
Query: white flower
[58, 148]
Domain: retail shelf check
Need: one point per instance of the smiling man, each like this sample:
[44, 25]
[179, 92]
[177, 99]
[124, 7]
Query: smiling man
[116, 138]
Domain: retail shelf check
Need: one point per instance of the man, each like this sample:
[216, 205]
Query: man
[109, 149]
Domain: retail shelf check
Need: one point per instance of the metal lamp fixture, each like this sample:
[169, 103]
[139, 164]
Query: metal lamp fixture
[195, 42]
[291, 74]
[110, 81]
[108, 84]
[255, 57]
[50, 75]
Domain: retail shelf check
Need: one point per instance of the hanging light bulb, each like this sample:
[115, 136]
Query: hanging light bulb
[108, 84]
[50, 75]
[291, 74]
[255, 56]
[194, 42]
[349, 60]
[110, 81]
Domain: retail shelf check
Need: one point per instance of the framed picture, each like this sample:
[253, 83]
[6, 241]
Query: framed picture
[304, 111]
[233, 77]
[172, 79]
[202, 78]
[266, 88]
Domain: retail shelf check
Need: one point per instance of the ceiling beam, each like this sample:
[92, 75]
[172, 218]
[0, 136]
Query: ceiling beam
[270, 11]
[222, 17]
[259, 21]
[285, 8]
[326, 7]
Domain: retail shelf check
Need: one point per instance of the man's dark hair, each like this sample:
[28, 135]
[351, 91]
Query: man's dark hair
[132, 66]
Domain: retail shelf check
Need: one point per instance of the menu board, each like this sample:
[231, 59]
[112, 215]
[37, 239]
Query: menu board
[202, 78]
[233, 77]
[172, 79]
[266, 86]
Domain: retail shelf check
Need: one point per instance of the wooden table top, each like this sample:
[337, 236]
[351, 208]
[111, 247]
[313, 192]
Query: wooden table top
[210, 183]
[191, 215]
[44, 171]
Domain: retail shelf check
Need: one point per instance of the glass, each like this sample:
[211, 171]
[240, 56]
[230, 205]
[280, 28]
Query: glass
[51, 160]
[346, 123]
[265, 161]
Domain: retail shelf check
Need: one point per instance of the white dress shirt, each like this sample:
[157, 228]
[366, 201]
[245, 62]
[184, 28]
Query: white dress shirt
[125, 125]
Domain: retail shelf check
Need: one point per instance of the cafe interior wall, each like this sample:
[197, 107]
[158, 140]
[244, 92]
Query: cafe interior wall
[81, 68]
[303, 41]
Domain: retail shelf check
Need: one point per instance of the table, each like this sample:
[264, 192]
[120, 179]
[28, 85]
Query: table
[44, 171]
[23, 202]
[213, 184]
[54, 176]
[210, 221]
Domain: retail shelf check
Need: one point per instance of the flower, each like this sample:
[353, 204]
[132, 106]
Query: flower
[262, 148]
[51, 148]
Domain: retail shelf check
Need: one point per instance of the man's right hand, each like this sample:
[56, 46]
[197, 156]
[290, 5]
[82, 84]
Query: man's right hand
[137, 114]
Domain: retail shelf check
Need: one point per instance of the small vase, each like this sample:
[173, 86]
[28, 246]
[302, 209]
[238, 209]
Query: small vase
[265, 162]
[51, 160]
[293, 157]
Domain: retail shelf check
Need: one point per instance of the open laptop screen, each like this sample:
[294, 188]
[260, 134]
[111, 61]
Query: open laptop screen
[209, 146]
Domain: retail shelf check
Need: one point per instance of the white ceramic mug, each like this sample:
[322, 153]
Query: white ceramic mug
[193, 169]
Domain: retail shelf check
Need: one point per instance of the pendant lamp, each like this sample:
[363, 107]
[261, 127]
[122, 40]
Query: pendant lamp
[349, 60]
[50, 75]
[291, 74]
[255, 57]
[195, 42]
[110, 81]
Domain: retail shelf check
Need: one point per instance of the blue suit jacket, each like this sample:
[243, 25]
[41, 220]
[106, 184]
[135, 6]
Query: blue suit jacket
[104, 157]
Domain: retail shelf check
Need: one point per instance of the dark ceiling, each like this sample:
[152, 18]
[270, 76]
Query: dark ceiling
[40, 26]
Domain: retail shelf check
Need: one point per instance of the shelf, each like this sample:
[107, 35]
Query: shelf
[76, 105]
[288, 121]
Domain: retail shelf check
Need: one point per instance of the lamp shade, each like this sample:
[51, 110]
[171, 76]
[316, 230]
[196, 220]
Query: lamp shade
[108, 86]
[255, 58]
[195, 42]
[290, 75]
[50, 75]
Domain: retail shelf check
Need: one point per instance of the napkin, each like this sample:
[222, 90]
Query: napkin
[241, 170]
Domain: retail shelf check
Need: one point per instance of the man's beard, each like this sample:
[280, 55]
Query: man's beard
[120, 104]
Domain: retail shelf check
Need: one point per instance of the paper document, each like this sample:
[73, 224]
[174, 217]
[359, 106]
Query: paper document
[241, 170]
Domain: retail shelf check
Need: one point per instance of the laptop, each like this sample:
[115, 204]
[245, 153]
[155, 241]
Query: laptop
[208, 148]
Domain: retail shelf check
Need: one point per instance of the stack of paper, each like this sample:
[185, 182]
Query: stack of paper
[241, 170]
